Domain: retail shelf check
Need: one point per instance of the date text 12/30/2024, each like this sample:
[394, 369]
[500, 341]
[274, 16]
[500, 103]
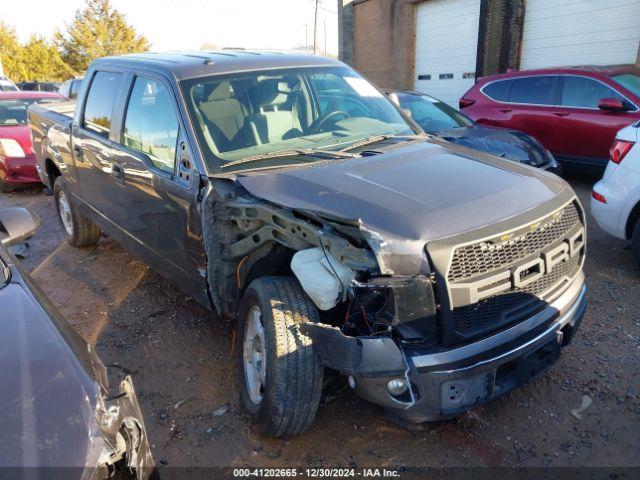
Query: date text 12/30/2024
[315, 473]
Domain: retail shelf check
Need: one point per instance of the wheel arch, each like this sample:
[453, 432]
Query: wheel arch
[634, 217]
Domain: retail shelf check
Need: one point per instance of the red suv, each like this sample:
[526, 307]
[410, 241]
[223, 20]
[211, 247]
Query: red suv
[575, 111]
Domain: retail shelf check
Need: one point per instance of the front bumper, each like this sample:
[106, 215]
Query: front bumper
[19, 170]
[450, 382]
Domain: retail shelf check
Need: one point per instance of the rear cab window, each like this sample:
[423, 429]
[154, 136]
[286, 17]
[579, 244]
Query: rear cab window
[151, 123]
[101, 98]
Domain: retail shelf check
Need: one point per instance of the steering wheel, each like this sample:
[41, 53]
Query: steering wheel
[320, 123]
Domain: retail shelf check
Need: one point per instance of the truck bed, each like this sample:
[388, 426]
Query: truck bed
[50, 126]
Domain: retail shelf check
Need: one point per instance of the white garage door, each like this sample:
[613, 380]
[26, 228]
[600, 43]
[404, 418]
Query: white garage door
[446, 47]
[580, 32]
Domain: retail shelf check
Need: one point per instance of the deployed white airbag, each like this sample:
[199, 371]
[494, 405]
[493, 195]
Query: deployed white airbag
[315, 272]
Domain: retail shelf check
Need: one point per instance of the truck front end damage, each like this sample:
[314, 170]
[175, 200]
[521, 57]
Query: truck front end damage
[489, 309]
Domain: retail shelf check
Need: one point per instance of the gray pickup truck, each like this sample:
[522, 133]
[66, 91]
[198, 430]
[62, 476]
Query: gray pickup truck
[289, 193]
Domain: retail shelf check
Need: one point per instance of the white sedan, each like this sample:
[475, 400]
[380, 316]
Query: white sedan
[615, 200]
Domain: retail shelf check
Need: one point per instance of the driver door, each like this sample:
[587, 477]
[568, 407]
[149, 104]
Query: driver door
[582, 132]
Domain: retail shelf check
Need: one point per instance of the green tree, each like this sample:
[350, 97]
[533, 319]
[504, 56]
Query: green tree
[10, 52]
[41, 61]
[98, 30]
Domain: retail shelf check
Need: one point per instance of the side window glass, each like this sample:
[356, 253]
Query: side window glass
[585, 92]
[100, 99]
[535, 90]
[498, 90]
[151, 125]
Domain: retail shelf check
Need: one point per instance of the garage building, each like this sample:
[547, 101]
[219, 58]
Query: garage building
[441, 46]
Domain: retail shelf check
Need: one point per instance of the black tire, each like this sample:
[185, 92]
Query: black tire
[80, 231]
[635, 242]
[293, 384]
[6, 187]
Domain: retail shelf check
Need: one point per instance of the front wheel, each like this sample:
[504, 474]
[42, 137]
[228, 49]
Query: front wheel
[79, 230]
[280, 374]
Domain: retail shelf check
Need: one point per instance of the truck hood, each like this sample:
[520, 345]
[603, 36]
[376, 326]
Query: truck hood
[19, 133]
[407, 197]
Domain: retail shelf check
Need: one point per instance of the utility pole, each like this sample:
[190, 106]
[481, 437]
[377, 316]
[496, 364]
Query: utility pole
[325, 38]
[306, 38]
[315, 30]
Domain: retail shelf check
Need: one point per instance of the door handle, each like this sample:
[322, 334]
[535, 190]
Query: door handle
[506, 110]
[78, 153]
[118, 173]
[560, 114]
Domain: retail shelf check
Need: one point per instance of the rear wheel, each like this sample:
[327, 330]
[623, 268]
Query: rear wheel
[79, 230]
[280, 374]
[635, 242]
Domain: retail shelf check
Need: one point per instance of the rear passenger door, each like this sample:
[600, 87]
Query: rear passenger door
[94, 147]
[529, 99]
[155, 185]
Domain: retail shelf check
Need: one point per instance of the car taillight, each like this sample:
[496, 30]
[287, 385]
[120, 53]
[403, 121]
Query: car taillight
[465, 102]
[619, 149]
[10, 148]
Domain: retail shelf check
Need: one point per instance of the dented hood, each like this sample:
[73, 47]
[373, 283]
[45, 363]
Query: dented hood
[409, 196]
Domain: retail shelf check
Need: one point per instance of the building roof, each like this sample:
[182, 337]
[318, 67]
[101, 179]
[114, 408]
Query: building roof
[199, 63]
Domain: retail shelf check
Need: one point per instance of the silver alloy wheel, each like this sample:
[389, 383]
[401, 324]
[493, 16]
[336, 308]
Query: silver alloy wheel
[65, 213]
[254, 355]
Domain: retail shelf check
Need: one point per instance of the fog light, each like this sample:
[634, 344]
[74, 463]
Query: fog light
[397, 386]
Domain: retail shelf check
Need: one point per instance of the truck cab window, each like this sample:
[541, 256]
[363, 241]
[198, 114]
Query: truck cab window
[100, 99]
[150, 125]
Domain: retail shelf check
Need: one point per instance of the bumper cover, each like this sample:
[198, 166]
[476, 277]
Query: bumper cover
[448, 383]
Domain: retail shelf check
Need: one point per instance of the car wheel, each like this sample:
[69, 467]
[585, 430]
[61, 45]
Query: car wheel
[79, 230]
[280, 374]
[635, 242]
[6, 187]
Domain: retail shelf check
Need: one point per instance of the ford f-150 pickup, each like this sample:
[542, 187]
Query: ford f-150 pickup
[289, 193]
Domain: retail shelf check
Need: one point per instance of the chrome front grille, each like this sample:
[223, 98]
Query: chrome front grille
[507, 308]
[505, 253]
[484, 257]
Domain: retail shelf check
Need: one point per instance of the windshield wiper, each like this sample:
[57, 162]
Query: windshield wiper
[310, 152]
[380, 138]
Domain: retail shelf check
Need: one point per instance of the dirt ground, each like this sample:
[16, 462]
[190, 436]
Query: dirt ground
[181, 360]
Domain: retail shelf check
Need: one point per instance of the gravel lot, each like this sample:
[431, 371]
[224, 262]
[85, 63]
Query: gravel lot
[181, 360]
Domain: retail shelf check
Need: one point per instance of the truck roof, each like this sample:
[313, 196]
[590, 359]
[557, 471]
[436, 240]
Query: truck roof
[200, 63]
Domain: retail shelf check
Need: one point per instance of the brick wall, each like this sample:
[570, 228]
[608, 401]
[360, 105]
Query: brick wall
[383, 41]
[499, 36]
[378, 38]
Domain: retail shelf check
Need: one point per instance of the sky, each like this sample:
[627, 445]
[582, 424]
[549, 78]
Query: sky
[190, 24]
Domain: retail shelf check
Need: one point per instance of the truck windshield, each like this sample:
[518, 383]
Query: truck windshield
[252, 114]
[14, 111]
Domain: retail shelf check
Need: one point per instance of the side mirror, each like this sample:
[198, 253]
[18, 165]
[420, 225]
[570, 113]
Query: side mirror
[611, 105]
[17, 224]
